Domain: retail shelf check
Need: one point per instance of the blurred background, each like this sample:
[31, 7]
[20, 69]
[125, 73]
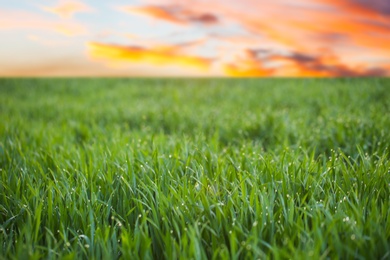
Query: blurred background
[198, 38]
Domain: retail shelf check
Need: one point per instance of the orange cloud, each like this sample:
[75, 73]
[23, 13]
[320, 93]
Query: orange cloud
[324, 65]
[357, 23]
[298, 65]
[306, 32]
[161, 56]
[66, 9]
[370, 9]
[248, 66]
[334, 33]
[174, 14]
[155, 12]
[247, 69]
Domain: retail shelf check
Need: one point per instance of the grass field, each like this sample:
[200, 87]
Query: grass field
[195, 168]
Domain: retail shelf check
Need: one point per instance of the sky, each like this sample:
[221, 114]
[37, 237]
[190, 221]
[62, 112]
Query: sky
[197, 38]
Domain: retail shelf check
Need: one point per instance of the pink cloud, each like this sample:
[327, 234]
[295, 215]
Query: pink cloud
[174, 14]
[19, 20]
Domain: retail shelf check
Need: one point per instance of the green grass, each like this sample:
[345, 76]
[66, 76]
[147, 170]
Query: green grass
[205, 168]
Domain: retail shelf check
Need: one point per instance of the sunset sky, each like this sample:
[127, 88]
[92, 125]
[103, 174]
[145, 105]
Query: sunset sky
[326, 38]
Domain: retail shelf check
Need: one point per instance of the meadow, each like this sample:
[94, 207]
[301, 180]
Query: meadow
[195, 168]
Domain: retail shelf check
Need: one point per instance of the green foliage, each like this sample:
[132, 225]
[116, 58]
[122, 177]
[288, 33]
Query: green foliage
[194, 168]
